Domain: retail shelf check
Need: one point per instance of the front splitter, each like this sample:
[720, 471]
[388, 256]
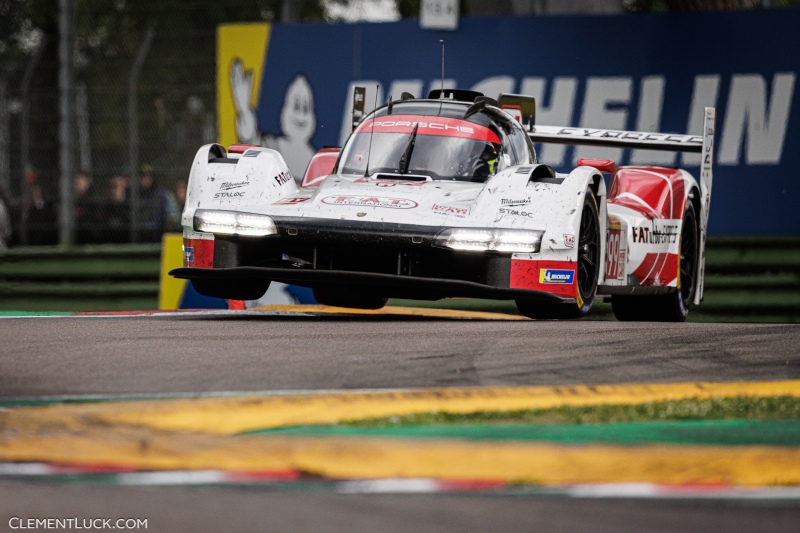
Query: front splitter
[388, 285]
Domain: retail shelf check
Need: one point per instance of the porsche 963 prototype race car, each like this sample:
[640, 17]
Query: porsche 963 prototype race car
[446, 197]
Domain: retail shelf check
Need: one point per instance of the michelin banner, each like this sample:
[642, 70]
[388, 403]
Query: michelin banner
[289, 87]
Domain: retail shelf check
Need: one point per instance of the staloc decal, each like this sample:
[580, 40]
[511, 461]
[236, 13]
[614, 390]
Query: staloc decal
[229, 195]
[514, 212]
[371, 201]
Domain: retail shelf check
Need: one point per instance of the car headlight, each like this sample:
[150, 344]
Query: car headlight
[233, 223]
[495, 240]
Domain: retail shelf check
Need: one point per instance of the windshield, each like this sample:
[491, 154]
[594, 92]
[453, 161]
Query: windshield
[442, 148]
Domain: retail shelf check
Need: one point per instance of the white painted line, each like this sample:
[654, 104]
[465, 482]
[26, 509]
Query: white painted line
[178, 477]
[409, 485]
[389, 486]
[25, 469]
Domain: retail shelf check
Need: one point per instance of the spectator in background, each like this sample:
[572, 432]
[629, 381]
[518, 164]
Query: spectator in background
[5, 220]
[180, 203]
[157, 207]
[180, 193]
[42, 216]
[88, 214]
[117, 209]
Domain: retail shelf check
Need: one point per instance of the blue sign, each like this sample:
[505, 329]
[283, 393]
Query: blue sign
[653, 72]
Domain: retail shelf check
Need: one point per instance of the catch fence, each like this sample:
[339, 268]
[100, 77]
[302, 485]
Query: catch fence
[143, 102]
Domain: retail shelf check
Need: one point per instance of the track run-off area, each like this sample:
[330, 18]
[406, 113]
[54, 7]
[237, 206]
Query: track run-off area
[280, 416]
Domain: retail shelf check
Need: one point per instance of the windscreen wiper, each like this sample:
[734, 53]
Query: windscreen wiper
[406, 157]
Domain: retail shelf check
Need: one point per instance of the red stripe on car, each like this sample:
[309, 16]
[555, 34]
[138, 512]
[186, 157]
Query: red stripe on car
[198, 253]
[439, 126]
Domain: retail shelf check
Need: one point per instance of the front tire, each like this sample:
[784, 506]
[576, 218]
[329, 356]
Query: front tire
[587, 272]
[673, 307]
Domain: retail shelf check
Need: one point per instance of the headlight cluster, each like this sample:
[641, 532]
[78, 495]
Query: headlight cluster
[494, 240]
[233, 223]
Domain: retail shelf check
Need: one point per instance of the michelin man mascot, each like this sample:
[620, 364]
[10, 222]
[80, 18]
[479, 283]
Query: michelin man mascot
[298, 122]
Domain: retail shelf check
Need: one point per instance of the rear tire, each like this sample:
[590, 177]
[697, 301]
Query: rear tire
[347, 298]
[587, 272]
[247, 289]
[673, 307]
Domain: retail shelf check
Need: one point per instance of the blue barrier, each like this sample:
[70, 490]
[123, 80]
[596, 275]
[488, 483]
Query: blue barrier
[651, 72]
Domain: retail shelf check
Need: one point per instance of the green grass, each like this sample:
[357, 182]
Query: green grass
[740, 408]
[691, 432]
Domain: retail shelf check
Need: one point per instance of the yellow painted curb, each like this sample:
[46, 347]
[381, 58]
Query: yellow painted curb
[357, 458]
[231, 415]
[198, 434]
[389, 311]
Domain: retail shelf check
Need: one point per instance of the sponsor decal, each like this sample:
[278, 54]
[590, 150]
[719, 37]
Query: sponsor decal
[530, 274]
[561, 277]
[229, 195]
[524, 170]
[283, 177]
[569, 240]
[515, 213]
[630, 135]
[390, 183]
[450, 210]
[371, 201]
[188, 254]
[664, 235]
[515, 201]
[290, 201]
[227, 185]
[441, 126]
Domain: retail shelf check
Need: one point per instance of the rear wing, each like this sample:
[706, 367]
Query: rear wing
[618, 139]
[700, 144]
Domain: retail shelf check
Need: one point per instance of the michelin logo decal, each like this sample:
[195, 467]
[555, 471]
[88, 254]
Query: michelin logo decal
[561, 277]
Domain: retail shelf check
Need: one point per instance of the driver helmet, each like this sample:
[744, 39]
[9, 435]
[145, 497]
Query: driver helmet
[490, 156]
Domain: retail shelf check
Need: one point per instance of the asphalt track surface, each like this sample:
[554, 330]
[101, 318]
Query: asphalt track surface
[194, 354]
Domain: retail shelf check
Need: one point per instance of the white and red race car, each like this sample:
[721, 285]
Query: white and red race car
[445, 197]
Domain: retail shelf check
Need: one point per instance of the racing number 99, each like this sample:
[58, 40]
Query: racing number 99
[613, 262]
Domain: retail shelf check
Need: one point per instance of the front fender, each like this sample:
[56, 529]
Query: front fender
[259, 177]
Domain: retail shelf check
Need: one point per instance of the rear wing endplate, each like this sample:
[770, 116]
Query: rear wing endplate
[706, 176]
[700, 144]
